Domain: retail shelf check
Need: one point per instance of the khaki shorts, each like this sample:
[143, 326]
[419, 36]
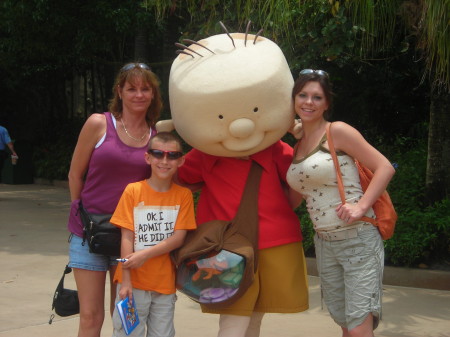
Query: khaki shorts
[280, 285]
[155, 313]
[351, 274]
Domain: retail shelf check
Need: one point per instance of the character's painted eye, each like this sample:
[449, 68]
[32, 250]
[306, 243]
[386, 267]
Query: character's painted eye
[255, 109]
[220, 116]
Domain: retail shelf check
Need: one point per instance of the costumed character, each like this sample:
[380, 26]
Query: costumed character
[230, 100]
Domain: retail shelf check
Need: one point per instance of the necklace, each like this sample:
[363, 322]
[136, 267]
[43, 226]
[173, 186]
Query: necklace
[130, 136]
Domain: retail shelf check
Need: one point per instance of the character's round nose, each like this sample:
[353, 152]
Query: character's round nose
[242, 128]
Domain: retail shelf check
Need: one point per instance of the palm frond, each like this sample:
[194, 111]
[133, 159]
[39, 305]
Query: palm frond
[436, 40]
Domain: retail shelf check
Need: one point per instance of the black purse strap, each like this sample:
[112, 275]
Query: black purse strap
[60, 286]
[246, 220]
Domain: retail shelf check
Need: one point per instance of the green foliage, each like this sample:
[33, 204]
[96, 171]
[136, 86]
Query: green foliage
[307, 229]
[51, 158]
[408, 184]
[320, 33]
[52, 161]
[436, 41]
[422, 233]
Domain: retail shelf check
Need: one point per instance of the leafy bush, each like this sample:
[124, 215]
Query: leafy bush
[421, 236]
[51, 158]
[52, 161]
[422, 233]
[307, 230]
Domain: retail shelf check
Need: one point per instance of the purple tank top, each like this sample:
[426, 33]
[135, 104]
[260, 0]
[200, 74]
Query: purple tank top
[113, 165]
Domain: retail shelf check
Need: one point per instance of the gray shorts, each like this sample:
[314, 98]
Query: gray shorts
[155, 313]
[351, 275]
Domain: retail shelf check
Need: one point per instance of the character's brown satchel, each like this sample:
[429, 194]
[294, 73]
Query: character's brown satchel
[218, 260]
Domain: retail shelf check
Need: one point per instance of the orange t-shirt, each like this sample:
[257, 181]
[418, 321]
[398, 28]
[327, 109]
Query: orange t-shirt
[153, 216]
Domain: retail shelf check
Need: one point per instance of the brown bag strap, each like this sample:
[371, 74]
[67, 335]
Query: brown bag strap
[336, 163]
[246, 220]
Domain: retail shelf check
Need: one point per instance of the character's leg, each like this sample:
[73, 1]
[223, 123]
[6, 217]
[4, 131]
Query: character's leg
[233, 325]
[254, 327]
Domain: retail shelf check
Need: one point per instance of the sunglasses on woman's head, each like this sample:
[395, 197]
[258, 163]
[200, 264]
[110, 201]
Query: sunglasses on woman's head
[312, 71]
[160, 154]
[130, 66]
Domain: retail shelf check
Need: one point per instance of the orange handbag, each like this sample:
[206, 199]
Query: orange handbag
[386, 217]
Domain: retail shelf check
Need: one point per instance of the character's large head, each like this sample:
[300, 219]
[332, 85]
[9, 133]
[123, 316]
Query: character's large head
[235, 99]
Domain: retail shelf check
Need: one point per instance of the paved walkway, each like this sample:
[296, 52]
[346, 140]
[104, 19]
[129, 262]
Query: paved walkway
[33, 253]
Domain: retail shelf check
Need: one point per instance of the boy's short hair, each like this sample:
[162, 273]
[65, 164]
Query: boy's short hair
[166, 137]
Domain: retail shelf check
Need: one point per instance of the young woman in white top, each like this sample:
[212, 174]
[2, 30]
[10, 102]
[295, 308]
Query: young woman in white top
[349, 252]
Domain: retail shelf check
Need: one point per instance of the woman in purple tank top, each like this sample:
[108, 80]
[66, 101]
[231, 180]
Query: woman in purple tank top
[109, 154]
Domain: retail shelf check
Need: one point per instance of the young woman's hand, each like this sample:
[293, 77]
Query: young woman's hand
[350, 212]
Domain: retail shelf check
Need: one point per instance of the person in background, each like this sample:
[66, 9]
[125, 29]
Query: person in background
[5, 142]
[154, 215]
[349, 252]
[108, 156]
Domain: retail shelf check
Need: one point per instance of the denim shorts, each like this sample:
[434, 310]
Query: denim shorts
[351, 274]
[81, 258]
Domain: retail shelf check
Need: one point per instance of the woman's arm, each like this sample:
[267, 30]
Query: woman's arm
[90, 134]
[349, 140]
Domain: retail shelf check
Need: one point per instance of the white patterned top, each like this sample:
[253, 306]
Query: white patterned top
[314, 176]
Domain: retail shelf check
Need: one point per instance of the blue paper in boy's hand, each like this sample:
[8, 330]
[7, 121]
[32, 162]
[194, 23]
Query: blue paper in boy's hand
[128, 314]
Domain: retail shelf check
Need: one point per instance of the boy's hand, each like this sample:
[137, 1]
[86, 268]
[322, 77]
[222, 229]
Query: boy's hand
[136, 259]
[126, 290]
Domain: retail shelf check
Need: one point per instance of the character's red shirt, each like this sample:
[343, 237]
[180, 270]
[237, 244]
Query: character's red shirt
[224, 181]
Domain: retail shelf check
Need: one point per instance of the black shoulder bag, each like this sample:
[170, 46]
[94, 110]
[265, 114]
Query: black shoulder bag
[65, 301]
[101, 235]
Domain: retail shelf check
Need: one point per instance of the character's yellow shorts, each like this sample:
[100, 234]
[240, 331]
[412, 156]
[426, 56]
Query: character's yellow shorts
[280, 285]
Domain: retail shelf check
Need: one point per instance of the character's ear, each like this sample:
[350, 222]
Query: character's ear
[296, 130]
[165, 125]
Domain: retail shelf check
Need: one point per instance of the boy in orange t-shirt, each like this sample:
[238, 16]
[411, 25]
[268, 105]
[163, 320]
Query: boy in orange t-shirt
[154, 216]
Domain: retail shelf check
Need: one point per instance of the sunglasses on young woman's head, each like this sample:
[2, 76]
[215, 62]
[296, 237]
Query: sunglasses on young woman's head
[130, 66]
[312, 71]
[160, 154]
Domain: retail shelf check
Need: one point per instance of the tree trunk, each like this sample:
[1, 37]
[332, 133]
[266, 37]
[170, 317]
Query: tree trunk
[141, 45]
[438, 172]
